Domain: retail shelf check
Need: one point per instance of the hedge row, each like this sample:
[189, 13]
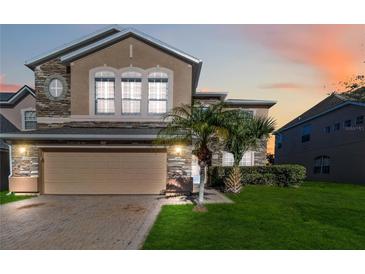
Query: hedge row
[280, 175]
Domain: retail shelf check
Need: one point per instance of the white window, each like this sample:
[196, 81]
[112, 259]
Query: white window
[228, 160]
[30, 119]
[131, 92]
[104, 92]
[157, 92]
[56, 88]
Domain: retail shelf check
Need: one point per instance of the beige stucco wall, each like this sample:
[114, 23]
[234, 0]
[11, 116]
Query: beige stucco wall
[14, 114]
[118, 56]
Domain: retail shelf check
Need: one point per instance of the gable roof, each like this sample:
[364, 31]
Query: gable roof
[109, 36]
[5, 96]
[6, 125]
[74, 45]
[331, 103]
[11, 99]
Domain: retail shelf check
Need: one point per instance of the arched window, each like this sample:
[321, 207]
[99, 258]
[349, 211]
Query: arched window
[157, 92]
[131, 92]
[104, 92]
[322, 165]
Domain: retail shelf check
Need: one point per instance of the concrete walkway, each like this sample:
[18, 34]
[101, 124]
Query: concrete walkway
[85, 221]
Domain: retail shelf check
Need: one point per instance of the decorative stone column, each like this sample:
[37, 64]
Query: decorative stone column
[179, 160]
[24, 168]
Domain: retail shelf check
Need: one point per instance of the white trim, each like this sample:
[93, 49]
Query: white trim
[92, 106]
[118, 115]
[120, 35]
[22, 111]
[18, 94]
[72, 44]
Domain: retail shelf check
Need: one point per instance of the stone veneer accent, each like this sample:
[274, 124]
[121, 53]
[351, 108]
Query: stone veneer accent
[98, 124]
[24, 164]
[179, 170]
[46, 107]
[260, 154]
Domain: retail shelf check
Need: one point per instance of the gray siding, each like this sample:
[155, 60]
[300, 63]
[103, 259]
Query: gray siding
[346, 147]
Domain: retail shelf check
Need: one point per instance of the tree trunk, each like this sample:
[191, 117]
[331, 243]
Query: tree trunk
[203, 180]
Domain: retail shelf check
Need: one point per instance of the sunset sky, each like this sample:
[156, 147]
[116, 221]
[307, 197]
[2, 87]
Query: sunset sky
[297, 65]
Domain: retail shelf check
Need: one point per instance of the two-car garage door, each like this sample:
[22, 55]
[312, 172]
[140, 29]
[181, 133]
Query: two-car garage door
[104, 172]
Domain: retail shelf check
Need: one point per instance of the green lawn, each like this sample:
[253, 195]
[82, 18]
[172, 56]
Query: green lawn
[11, 198]
[314, 216]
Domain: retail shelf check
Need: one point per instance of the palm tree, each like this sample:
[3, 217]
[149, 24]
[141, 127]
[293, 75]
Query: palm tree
[197, 125]
[244, 132]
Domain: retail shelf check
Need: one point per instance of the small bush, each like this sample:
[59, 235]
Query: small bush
[280, 175]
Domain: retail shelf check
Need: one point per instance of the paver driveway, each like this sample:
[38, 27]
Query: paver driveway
[78, 222]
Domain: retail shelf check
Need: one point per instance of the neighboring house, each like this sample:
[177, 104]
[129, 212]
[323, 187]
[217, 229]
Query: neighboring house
[99, 108]
[17, 112]
[328, 139]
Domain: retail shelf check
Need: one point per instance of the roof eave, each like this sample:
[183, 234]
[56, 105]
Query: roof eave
[345, 103]
[95, 36]
[264, 103]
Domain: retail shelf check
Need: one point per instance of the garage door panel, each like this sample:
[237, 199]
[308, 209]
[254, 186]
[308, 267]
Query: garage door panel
[104, 172]
[107, 188]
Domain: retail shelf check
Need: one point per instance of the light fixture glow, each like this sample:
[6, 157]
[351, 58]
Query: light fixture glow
[178, 150]
[22, 150]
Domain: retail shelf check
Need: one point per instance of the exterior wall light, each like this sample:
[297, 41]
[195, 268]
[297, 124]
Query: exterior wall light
[178, 150]
[22, 150]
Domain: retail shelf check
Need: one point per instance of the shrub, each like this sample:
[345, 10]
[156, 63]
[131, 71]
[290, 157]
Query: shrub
[280, 175]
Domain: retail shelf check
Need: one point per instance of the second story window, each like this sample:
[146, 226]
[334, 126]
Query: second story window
[327, 129]
[347, 123]
[306, 133]
[157, 92]
[360, 120]
[104, 92]
[30, 120]
[131, 92]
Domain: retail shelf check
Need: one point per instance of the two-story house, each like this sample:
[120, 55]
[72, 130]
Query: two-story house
[99, 106]
[17, 112]
[328, 139]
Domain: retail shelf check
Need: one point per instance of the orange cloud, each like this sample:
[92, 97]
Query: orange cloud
[5, 87]
[282, 86]
[337, 51]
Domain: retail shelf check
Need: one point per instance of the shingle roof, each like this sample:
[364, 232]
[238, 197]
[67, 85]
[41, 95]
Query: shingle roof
[74, 45]
[5, 96]
[331, 102]
[6, 125]
[11, 99]
[109, 36]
